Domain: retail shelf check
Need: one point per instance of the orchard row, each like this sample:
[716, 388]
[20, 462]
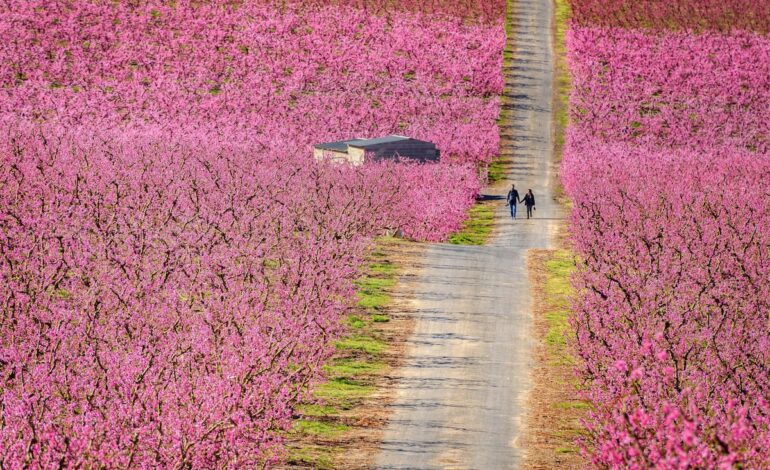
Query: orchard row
[668, 165]
[175, 263]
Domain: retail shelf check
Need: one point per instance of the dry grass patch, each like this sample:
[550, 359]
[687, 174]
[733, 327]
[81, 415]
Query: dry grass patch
[554, 411]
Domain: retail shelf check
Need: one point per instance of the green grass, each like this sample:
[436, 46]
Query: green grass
[563, 84]
[373, 300]
[383, 269]
[374, 284]
[342, 391]
[561, 267]
[319, 458]
[361, 343]
[351, 367]
[378, 253]
[496, 170]
[310, 409]
[318, 428]
[371, 291]
[566, 450]
[559, 291]
[557, 286]
[575, 405]
[555, 336]
[380, 318]
[477, 228]
[356, 322]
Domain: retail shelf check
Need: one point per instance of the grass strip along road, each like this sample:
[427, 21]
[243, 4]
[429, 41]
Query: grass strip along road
[554, 411]
[336, 427]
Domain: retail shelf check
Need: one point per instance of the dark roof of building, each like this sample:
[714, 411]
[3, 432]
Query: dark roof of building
[342, 145]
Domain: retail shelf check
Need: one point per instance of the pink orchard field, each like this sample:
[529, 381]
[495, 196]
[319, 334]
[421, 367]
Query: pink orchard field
[175, 264]
[689, 15]
[667, 162]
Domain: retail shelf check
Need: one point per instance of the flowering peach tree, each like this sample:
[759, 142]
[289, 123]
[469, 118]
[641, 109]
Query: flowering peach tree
[174, 262]
[668, 165]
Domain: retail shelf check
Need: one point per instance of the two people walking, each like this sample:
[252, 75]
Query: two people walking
[514, 199]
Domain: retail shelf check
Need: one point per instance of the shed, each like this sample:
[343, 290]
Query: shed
[356, 151]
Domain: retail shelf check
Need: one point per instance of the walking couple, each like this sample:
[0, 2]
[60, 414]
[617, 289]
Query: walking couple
[513, 199]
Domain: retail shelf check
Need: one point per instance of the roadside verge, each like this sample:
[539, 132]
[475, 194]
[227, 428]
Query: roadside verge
[342, 426]
[554, 414]
[554, 409]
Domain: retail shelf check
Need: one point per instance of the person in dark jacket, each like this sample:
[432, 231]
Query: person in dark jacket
[513, 200]
[529, 201]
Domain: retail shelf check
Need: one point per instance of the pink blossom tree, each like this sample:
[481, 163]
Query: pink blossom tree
[175, 264]
[668, 168]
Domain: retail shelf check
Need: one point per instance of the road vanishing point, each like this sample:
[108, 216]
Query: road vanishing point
[460, 398]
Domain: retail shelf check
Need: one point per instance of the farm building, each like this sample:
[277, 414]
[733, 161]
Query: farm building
[356, 151]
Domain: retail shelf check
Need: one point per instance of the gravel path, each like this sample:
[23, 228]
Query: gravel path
[459, 402]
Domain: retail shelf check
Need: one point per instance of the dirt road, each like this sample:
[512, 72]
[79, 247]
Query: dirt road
[459, 402]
